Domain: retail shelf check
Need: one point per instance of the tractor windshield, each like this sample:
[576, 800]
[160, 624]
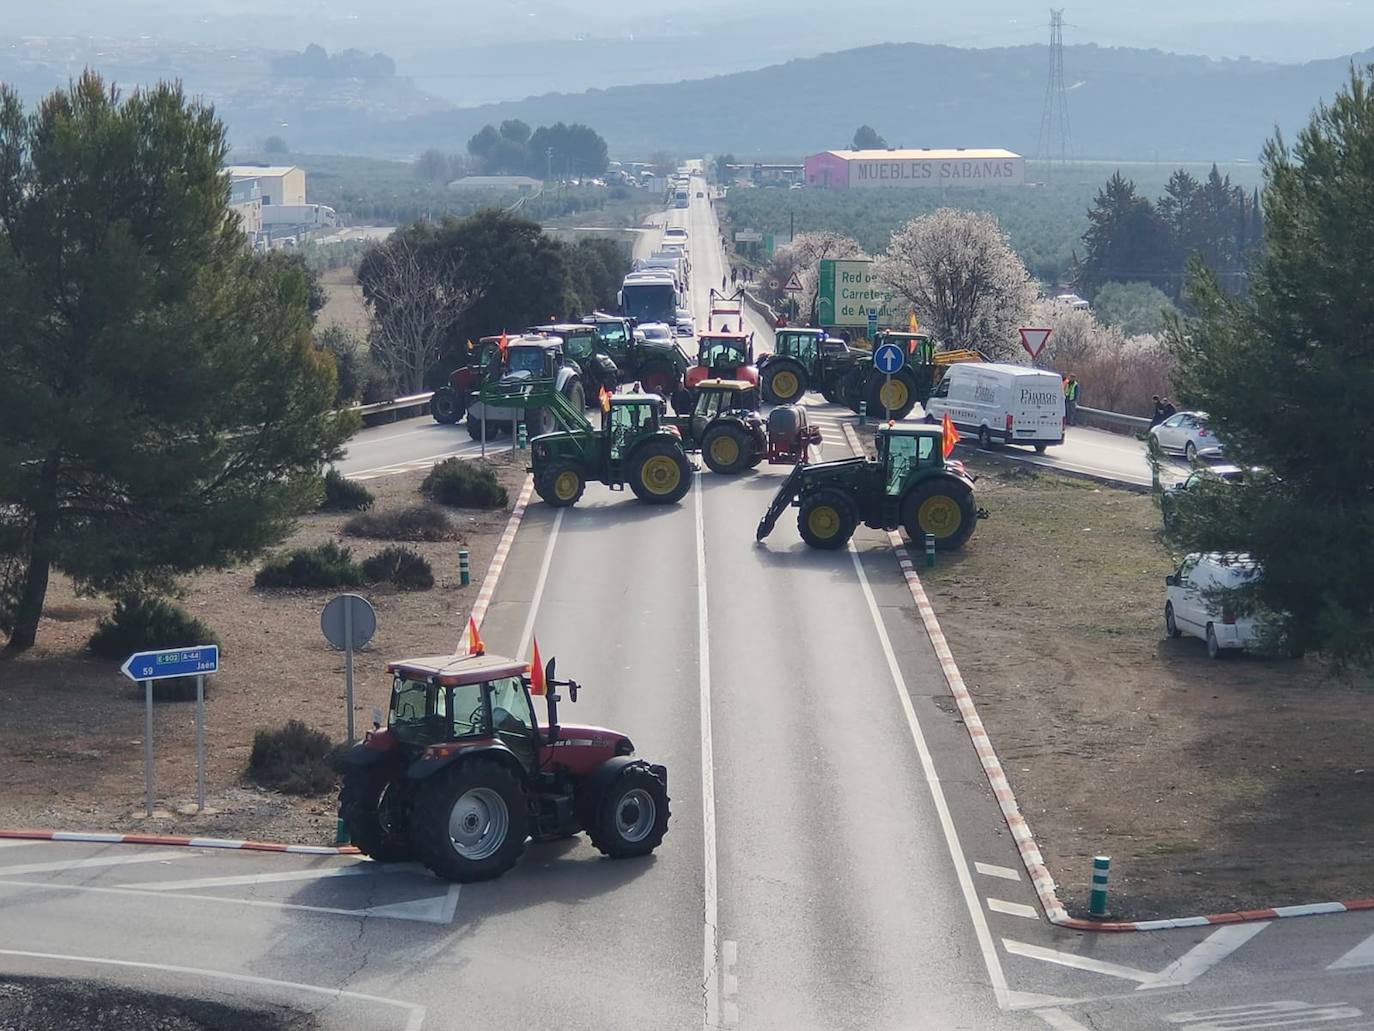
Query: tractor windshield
[525, 359]
[627, 424]
[717, 352]
[903, 455]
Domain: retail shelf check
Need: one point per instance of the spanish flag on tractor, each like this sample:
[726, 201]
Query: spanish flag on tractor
[605, 399]
[912, 326]
[536, 670]
[475, 645]
[951, 434]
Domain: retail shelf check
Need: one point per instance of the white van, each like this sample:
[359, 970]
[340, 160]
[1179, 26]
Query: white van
[1195, 601]
[1006, 404]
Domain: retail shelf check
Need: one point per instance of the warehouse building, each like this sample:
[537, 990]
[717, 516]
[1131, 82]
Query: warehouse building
[278, 184]
[930, 169]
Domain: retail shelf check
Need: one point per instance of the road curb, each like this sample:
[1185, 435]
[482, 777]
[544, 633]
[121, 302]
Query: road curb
[1031, 857]
[503, 546]
[97, 837]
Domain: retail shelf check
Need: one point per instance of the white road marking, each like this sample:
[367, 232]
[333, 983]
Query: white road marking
[98, 861]
[1362, 955]
[466, 449]
[1204, 955]
[1278, 1014]
[711, 908]
[438, 909]
[415, 1013]
[1059, 1020]
[1004, 872]
[1069, 959]
[937, 794]
[320, 873]
[1013, 909]
[528, 632]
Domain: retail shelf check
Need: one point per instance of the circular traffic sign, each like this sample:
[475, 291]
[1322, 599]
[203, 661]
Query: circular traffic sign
[889, 358]
[348, 610]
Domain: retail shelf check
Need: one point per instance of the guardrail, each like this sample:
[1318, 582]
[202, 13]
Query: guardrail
[762, 309]
[387, 411]
[1114, 421]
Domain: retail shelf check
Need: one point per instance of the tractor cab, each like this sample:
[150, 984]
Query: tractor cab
[804, 345]
[629, 419]
[583, 345]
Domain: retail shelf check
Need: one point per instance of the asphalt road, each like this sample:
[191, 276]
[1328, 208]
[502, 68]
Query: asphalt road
[834, 861]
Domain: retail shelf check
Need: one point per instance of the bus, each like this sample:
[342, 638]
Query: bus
[680, 197]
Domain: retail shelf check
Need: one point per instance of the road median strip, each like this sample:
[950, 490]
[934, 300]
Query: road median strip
[1029, 851]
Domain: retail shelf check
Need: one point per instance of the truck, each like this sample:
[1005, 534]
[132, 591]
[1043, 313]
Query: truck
[317, 216]
[681, 197]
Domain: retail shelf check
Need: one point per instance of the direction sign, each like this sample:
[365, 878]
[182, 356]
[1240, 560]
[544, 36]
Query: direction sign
[889, 358]
[1033, 340]
[172, 662]
[794, 284]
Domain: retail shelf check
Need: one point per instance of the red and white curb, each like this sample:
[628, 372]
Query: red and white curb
[90, 837]
[503, 546]
[1034, 862]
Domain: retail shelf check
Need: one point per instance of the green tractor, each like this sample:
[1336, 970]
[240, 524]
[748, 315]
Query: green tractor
[657, 365]
[898, 394]
[802, 360]
[635, 445]
[583, 345]
[909, 485]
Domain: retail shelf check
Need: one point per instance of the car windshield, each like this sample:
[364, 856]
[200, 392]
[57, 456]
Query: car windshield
[656, 331]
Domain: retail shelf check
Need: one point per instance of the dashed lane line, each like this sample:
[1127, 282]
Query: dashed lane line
[1013, 909]
[1006, 873]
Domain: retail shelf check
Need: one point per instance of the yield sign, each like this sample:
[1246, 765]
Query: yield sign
[794, 284]
[1033, 340]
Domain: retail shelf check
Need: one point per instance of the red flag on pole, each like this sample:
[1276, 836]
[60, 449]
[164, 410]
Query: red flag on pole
[951, 434]
[536, 671]
[475, 645]
[501, 343]
[605, 398]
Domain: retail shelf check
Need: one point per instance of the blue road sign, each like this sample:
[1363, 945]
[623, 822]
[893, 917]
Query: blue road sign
[889, 358]
[172, 662]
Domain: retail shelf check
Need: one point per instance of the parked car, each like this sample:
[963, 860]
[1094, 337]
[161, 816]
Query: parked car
[658, 331]
[1168, 502]
[1188, 434]
[1195, 603]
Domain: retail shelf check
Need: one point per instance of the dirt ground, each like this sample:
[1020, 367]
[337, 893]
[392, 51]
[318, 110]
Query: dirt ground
[74, 728]
[1213, 785]
[43, 1004]
[344, 306]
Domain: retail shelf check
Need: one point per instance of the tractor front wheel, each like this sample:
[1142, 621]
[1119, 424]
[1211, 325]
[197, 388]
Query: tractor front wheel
[944, 509]
[561, 484]
[783, 382]
[631, 816]
[446, 406]
[726, 449]
[577, 396]
[372, 808]
[660, 473]
[827, 519]
[470, 824]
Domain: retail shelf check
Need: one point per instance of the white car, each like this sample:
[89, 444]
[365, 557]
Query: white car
[1195, 603]
[685, 325]
[1187, 434]
[659, 331]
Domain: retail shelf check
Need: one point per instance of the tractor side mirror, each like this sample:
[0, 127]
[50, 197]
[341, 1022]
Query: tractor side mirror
[573, 688]
[1171, 580]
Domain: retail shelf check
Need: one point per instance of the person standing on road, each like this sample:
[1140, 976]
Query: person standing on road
[1071, 401]
[722, 281]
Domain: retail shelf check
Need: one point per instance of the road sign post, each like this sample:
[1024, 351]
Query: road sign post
[889, 360]
[348, 622]
[167, 664]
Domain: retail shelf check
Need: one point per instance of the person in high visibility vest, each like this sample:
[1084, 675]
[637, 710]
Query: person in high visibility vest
[1071, 401]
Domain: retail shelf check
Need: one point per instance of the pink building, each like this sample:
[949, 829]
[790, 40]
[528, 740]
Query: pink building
[870, 169]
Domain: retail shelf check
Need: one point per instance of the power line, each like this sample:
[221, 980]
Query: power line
[1054, 121]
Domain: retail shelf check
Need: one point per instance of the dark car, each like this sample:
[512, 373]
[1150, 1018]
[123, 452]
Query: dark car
[1168, 503]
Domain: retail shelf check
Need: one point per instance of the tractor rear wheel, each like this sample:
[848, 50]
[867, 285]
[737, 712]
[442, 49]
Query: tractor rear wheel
[660, 473]
[783, 382]
[894, 398]
[561, 484]
[943, 508]
[631, 816]
[446, 406]
[827, 519]
[371, 806]
[577, 396]
[727, 449]
[657, 378]
[470, 824]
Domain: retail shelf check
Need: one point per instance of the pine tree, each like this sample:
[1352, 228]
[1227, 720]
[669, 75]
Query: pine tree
[162, 406]
[1125, 241]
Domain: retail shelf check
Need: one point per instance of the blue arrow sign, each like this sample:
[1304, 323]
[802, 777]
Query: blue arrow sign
[172, 662]
[889, 358]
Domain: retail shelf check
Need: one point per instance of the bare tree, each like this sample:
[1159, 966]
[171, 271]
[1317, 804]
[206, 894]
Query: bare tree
[966, 284]
[416, 295]
[803, 256]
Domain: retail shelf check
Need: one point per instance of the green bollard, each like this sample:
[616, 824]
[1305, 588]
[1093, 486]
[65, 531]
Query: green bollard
[1097, 901]
[930, 550]
[522, 436]
[340, 833]
[863, 413]
[464, 567]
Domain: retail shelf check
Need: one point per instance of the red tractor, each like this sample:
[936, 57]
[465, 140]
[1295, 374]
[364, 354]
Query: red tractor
[450, 402]
[464, 772]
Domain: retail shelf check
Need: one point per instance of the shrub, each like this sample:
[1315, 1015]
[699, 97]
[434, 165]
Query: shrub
[139, 623]
[325, 565]
[403, 567]
[463, 484]
[344, 495]
[412, 523]
[295, 760]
